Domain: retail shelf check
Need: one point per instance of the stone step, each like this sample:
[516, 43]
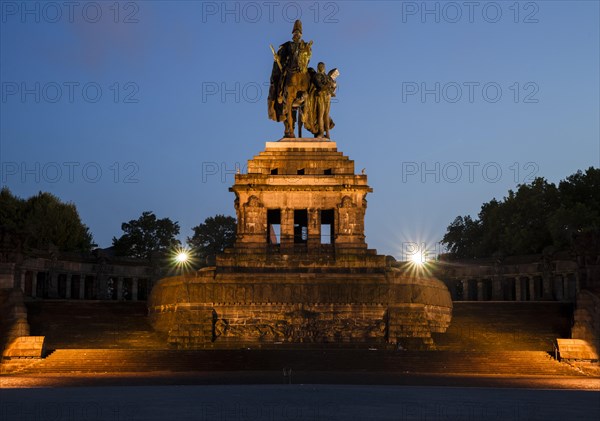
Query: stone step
[93, 324]
[513, 326]
[441, 362]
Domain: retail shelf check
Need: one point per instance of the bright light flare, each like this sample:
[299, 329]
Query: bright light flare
[417, 261]
[418, 258]
[182, 257]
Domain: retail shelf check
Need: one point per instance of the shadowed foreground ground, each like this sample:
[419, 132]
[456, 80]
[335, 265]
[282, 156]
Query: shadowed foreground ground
[297, 402]
[494, 363]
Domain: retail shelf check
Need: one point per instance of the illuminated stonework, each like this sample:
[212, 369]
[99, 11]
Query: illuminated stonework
[300, 270]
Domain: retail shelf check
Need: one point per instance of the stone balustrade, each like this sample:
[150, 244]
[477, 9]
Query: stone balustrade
[521, 278]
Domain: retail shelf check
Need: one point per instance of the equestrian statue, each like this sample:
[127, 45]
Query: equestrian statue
[298, 93]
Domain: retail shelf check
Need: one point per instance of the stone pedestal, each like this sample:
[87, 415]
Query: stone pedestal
[295, 287]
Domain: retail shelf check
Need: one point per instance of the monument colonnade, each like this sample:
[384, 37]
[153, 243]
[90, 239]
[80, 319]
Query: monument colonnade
[63, 279]
[559, 280]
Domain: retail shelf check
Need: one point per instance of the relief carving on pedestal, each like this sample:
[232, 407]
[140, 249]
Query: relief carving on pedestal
[300, 326]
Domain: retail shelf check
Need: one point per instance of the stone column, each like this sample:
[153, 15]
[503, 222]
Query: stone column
[68, 285]
[479, 290]
[102, 286]
[34, 283]
[558, 288]
[119, 288]
[52, 282]
[314, 229]
[547, 287]
[22, 280]
[465, 289]
[532, 281]
[82, 287]
[74, 281]
[134, 289]
[566, 287]
[518, 296]
[287, 228]
[497, 288]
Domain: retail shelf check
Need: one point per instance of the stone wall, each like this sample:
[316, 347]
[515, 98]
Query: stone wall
[586, 317]
[13, 317]
[279, 307]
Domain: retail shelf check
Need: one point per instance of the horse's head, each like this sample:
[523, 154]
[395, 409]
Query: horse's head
[304, 55]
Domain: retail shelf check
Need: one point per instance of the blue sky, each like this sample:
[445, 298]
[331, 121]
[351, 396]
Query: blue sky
[152, 105]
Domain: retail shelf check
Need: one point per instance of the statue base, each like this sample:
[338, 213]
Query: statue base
[211, 309]
[300, 270]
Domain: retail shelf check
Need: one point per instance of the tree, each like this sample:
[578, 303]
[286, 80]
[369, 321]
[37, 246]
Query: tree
[146, 235]
[525, 217]
[45, 221]
[11, 210]
[534, 217]
[463, 236]
[579, 213]
[213, 236]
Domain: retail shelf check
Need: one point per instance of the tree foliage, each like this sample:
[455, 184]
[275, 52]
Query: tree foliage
[146, 235]
[45, 221]
[536, 216]
[213, 236]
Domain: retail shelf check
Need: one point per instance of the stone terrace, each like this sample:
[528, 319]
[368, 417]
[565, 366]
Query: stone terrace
[93, 324]
[506, 326]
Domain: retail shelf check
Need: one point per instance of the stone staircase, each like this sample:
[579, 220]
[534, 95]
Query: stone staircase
[475, 326]
[93, 324]
[516, 363]
[18, 365]
[483, 339]
[506, 326]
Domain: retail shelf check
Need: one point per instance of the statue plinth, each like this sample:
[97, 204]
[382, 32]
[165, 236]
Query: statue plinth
[300, 269]
[300, 142]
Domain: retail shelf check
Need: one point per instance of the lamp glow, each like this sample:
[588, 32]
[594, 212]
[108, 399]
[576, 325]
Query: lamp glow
[418, 258]
[182, 257]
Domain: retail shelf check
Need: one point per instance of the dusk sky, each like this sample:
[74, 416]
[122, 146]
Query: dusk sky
[151, 105]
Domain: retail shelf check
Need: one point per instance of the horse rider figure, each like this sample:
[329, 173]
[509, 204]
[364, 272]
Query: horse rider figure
[286, 66]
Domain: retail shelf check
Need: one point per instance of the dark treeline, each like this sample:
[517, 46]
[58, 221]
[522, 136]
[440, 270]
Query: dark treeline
[531, 219]
[44, 222]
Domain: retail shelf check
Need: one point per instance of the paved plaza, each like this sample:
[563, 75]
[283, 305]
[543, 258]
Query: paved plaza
[297, 402]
